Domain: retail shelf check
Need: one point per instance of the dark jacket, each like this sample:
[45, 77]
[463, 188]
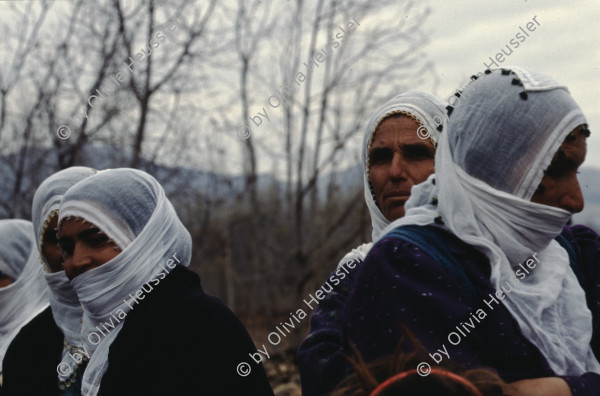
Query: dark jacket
[29, 367]
[180, 341]
[177, 341]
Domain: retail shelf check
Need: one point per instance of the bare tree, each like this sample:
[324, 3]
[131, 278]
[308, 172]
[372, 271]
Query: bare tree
[334, 67]
[147, 85]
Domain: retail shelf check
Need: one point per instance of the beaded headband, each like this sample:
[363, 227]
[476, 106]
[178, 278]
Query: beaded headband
[43, 232]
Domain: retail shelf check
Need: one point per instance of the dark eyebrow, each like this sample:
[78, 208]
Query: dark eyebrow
[378, 149]
[89, 232]
[407, 147]
[84, 234]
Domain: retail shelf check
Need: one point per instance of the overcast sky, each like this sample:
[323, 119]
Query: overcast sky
[465, 34]
[564, 45]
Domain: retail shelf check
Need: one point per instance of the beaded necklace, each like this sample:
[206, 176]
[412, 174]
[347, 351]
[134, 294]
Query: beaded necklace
[62, 385]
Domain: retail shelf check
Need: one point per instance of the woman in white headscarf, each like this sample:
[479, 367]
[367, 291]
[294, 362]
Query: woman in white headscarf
[52, 336]
[147, 325]
[486, 273]
[320, 356]
[23, 294]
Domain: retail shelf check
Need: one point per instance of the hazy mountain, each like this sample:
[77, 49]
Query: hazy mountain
[219, 186]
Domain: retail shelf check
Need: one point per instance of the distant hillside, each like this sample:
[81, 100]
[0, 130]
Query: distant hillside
[41, 163]
[219, 186]
[589, 179]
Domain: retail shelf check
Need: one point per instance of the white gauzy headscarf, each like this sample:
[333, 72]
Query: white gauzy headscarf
[27, 296]
[66, 309]
[131, 208]
[501, 136]
[430, 112]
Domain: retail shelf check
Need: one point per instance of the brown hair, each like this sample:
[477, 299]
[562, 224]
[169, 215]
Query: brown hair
[367, 377]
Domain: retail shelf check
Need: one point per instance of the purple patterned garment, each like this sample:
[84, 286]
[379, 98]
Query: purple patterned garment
[419, 293]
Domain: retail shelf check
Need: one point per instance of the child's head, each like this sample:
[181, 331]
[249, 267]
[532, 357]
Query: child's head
[402, 374]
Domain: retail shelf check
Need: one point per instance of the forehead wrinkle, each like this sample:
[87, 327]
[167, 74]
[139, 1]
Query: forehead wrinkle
[416, 145]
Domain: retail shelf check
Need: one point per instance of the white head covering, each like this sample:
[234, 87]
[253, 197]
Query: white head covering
[501, 136]
[129, 206]
[66, 309]
[430, 112]
[27, 296]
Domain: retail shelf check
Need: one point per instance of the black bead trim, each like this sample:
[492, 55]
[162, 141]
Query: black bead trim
[438, 220]
[585, 131]
[440, 127]
[487, 71]
[505, 72]
[449, 109]
[523, 95]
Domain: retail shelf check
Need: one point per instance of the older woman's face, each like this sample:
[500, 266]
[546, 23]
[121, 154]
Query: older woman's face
[398, 160]
[559, 186]
[50, 249]
[84, 247]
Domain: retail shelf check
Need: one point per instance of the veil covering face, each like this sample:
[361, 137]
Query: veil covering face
[501, 136]
[131, 208]
[429, 112]
[27, 296]
[66, 309]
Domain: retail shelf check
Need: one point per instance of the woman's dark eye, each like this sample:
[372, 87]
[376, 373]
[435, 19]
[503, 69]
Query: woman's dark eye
[66, 249]
[553, 172]
[50, 237]
[98, 240]
[418, 153]
[379, 156]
